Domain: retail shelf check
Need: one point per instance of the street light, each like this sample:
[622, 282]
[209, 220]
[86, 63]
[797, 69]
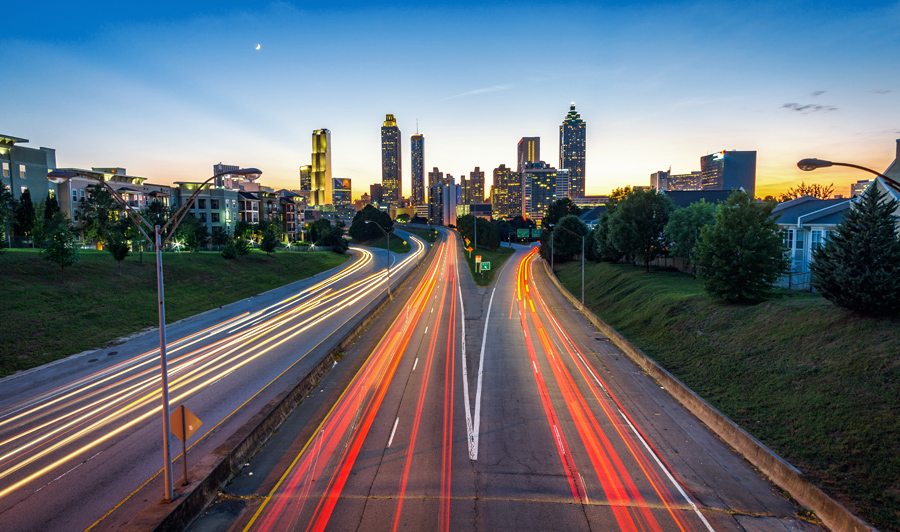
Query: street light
[808, 165]
[61, 176]
[582, 258]
[550, 226]
[388, 249]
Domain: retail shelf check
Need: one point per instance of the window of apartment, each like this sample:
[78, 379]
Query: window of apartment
[799, 240]
[5, 169]
[214, 204]
[214, 217]
[203, 217]
[788, 238]
[74, 194]
[201, 203]
[24, 189]
[816, 240]
[22, 173]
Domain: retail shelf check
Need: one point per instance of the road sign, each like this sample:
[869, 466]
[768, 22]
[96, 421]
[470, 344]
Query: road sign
[183, 423]
[535, 233]
[467, 241]
[477, 258]
[522, 233]
[485, 266]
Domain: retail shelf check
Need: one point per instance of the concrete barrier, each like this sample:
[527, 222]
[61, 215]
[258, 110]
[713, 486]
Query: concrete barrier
[789, 478]
[218, 467]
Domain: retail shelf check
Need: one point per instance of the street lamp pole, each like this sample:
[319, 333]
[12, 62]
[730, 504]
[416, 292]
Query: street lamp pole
[808, 165]
[550, 226]
[388, 250]
[61, 176]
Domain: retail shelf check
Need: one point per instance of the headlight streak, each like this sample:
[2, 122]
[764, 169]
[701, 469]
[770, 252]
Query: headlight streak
[631, 510]
[110, 400]
[329, 455]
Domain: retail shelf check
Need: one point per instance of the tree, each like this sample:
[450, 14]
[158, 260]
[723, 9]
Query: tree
[99, 212]
[241, 245]
[51, 207]
[117, 245]
[219, 236]
[61, 248]
[558, 209]
[636, 226]
[603, 246]
[684, 227]
[403, 217]
[230, 251]
[741, 255]
[566, 245]
[488, 236]
[815, 190]
[24, 214]
[504, 229]
[192, 233]
[362, 231]
[269, 242]
[858, 268]
[7, 204]
[242, 228]
[326, 234]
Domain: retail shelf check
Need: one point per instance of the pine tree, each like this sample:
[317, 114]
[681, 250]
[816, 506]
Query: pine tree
[61, 248]
[858, 268]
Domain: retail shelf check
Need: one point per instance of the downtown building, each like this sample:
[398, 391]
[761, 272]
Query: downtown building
[417, 146]
[342, 194]
[322, 185]
[572, 151]
[541, 186]
[729, 170]
[528, 151]
[391, 175]
[442, 201]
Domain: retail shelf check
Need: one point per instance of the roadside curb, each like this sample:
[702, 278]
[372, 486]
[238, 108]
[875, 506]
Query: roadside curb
[833, 514]
[219, 466]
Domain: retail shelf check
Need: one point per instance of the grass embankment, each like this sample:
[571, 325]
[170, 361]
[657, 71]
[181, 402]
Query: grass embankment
[398, 245]
[495, 258]
[816, 384]
[45, 320]
[424, 234]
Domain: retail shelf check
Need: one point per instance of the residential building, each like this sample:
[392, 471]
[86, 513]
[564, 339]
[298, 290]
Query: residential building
[476, 186]
[248, 207]
[529, 151]
[729, 170]
[321, 179]
[572, 150]
[223, 169]
[342, 192]
[417, 142]
[26, 168]
[391, 174]
[442, 204]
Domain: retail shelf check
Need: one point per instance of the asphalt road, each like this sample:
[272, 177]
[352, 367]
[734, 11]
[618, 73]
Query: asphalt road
[80, 440]
[494, 409]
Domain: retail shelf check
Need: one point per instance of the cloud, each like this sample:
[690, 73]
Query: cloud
[808, 108]
[483, 90]
[883, 91]
[818, 93]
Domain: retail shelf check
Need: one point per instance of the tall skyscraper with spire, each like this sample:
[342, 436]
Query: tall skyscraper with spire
[391, 177]
[321, 181]
[571, 150]
[417, 143]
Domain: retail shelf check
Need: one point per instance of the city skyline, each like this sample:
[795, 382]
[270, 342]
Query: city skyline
[661, 84]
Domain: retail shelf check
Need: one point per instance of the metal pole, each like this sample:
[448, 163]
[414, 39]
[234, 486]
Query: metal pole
[167, 456]
[551, 253]
[184, 442]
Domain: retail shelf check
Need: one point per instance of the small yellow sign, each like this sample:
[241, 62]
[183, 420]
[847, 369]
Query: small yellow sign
[183, 423]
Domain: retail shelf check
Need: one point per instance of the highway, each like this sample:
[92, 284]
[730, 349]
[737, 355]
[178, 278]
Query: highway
[497, 409]
[80, 440]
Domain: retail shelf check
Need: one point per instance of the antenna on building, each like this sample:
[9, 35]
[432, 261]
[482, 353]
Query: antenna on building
[417, 126]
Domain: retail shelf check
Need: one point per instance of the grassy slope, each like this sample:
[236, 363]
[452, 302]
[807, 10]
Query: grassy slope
[44, 320]
[816, 384]
[427, 236]
[398, 245]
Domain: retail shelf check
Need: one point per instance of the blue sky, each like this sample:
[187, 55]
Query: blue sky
[167, 89]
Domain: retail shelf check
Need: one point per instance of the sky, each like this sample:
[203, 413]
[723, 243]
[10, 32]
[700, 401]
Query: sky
[168, 89]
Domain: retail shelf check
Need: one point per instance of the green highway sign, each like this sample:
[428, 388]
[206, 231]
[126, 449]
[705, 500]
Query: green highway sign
[485, 266]
[522, 233]
[535, 233]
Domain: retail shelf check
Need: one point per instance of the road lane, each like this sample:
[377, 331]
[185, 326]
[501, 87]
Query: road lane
[76, 438]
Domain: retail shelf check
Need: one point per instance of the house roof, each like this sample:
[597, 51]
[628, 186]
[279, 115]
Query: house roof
[592, 214]
[807, 210]
[248, 195]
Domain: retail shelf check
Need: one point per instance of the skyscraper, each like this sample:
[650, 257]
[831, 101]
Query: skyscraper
[391, 176]
[515, 203]
[320, 174]
[434, 177]
[476, 186]
[541, 186]
[529, 152]
[571, 150]
[417, 143]
[306, 182]
[729, 170]
[342, 191]
[500, 192]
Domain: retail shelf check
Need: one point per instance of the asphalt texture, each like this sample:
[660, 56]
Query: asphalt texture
[465, 408]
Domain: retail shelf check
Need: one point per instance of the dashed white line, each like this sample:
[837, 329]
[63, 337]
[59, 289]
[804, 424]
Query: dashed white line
[391, 439]
[416, 363]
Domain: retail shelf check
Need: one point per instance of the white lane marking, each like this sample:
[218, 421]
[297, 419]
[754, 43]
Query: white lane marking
[633, 428]
[562, 448]
[391, 439]
[426, 330]
[535, 367]
[465, 374]
[477, 416]
[415, 364]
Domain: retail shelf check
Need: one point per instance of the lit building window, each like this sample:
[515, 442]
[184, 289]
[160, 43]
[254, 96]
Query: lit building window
[5, 169]
[22, 173]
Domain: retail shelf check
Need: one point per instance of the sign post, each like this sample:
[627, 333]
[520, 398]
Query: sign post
[183, 424]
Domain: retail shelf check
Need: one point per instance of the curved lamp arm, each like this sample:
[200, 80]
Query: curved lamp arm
[809, 165]
[61, 176]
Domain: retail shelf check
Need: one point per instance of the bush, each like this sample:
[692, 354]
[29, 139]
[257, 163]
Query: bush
[230, 252]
